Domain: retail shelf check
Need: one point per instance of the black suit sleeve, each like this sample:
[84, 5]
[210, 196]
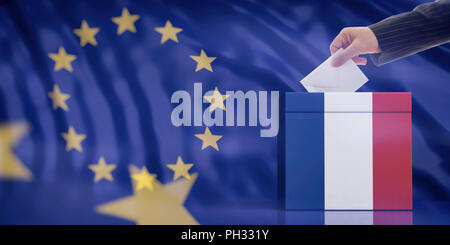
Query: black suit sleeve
[427, 26]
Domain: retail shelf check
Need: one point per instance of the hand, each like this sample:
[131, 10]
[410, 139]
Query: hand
[355, 41]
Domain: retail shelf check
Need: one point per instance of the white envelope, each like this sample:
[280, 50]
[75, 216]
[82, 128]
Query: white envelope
[326, 78]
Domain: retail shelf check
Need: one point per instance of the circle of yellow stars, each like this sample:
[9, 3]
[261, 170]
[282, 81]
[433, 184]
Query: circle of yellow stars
[146, 186]
[147, 189]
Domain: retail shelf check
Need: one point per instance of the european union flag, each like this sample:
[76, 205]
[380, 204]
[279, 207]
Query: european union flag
[92, 130]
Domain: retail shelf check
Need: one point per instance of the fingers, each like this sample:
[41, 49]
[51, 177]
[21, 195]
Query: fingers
[334, 48]
[346, 54]
[360, 60]
[337, 43]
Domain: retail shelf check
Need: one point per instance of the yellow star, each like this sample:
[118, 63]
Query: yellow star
[209, 139]
[162, 206]
[168, 32]
[73, 140]
[144, 179]
[216, 100]
[10, 166]
[102, 170]
[126, 22]
[62, 60]
[203, 61]
[86, 34]
[58, 98]
[180, 169]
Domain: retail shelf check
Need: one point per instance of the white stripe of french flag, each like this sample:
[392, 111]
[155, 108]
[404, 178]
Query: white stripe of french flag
[348, 151]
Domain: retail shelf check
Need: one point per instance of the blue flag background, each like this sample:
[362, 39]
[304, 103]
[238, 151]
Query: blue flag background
[120, 99]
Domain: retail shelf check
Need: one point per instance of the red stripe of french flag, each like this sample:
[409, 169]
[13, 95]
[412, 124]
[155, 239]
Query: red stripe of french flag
[392, 155]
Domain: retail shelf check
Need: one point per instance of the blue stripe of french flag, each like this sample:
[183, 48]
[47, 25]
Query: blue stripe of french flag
[348, 151]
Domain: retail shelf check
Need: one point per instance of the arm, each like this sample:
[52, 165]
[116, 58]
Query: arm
[398, 36]
[427, 26]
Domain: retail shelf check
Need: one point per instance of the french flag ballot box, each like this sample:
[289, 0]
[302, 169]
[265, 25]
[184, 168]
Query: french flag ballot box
[348, 151]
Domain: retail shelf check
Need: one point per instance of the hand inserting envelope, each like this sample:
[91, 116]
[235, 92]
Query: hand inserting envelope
[327, 78]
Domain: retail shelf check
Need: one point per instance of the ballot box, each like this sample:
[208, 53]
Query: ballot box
[348, 151]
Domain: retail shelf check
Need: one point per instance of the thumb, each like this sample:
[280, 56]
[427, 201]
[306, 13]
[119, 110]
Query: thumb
[346, 54]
